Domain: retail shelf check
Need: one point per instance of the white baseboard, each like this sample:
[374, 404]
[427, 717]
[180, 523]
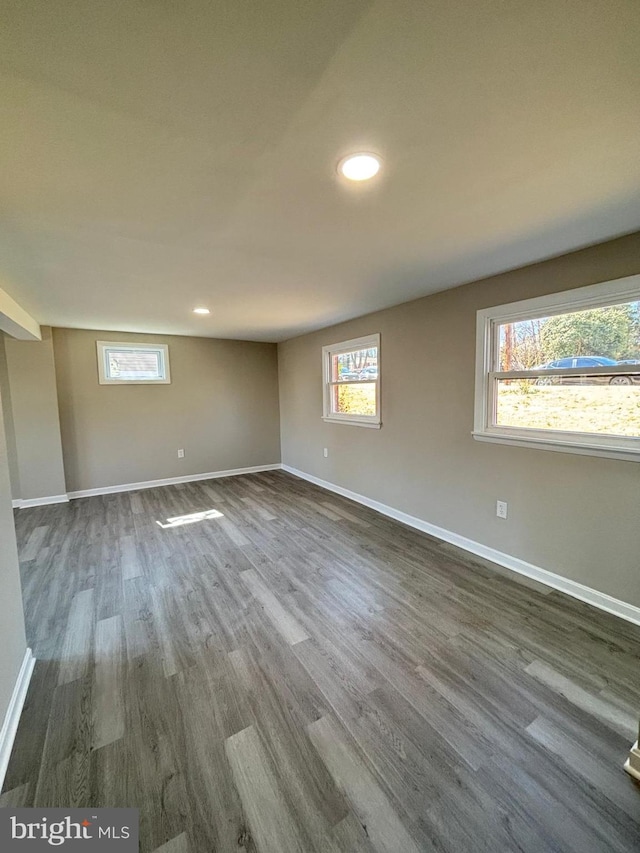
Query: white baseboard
[169, 481]
[12, 717]
[20, 503]
[24, 503]
[577, 590]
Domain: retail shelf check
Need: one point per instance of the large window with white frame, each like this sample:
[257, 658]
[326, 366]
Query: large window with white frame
[351, 373]
[133, 363]
[562, 372]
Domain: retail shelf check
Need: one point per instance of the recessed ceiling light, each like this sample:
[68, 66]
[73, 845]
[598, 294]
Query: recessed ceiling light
[201, 311]
[359, 167]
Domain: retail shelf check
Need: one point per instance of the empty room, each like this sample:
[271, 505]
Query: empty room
[320, 426]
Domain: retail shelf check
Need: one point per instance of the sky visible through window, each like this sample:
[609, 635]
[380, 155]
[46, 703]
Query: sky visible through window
[611, 332]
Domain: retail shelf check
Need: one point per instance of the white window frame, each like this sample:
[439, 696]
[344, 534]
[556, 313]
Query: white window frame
[367, 342]
[487, 373]
[105, 379]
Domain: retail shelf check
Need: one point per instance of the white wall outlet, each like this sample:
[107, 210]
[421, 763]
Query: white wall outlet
[326, 452]
[181, 453]
[501, 509]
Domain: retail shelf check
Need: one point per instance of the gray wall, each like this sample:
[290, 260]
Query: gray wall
[221, 407]
[573, 515]
[7, 417]
[35, 417]
[12, 634]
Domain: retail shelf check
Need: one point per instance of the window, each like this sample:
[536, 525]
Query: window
[562, 372]
[135, 364]
[351, 373]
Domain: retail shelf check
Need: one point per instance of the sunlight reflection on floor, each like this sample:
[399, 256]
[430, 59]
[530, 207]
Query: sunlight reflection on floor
[192, 518]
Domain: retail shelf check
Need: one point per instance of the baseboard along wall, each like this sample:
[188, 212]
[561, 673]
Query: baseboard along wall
[12, 717]
[145, 484]
[20, 503]
[598, 599]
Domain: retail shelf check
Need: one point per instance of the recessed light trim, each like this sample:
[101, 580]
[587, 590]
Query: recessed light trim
[359, 167]
[201, 311]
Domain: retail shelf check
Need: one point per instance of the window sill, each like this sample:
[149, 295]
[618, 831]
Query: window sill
[349, 422]
[135, 382]
[560, 446]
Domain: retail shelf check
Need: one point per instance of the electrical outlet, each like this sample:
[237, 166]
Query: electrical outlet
[181, 453]
[501, 509]
[326, 452]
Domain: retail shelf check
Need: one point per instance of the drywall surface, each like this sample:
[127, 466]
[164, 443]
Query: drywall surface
[36, 420]
[7, 416]
[13, 642]
[573, 515]
[221, 408]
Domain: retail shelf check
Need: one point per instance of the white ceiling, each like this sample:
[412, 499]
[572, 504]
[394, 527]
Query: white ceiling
[160, 154]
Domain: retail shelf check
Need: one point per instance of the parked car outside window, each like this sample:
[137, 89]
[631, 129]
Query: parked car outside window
[585, 361]
[360, 374]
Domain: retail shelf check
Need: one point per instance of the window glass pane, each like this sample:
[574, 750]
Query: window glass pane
[358, 365]
[598, 336]
[604, 405]
[354, 399]
[134, 364]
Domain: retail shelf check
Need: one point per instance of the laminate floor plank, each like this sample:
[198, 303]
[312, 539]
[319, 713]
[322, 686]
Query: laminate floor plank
[349, 836]
[177, 653]
[293, 671]
[131, 566]
[203, 715]
[622, 720]
[64, 774]
[76, 653]
[34, 543]
[270, 819]
[621, 790]
[17, 798]
[108, 700]
[283, 622]
[569, 814]
[179, 844]
[154, 736]
[313, 799]
[377, 815]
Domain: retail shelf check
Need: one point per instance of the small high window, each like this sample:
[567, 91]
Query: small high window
[133, 364]
[351, 371]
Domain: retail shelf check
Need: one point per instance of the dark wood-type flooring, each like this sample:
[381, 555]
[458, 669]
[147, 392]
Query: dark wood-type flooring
[290, 671]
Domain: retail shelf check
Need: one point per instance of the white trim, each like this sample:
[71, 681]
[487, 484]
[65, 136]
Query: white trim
[105, 379]
[577, 590]
[561, 372]
[632, 764]
[134, 487]
[15, 321]
[620, 453]
[352, 422]
[12, 717]
[487, 323]
[363, 342]
[328, 415]
[25, 503]
[169, 481]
